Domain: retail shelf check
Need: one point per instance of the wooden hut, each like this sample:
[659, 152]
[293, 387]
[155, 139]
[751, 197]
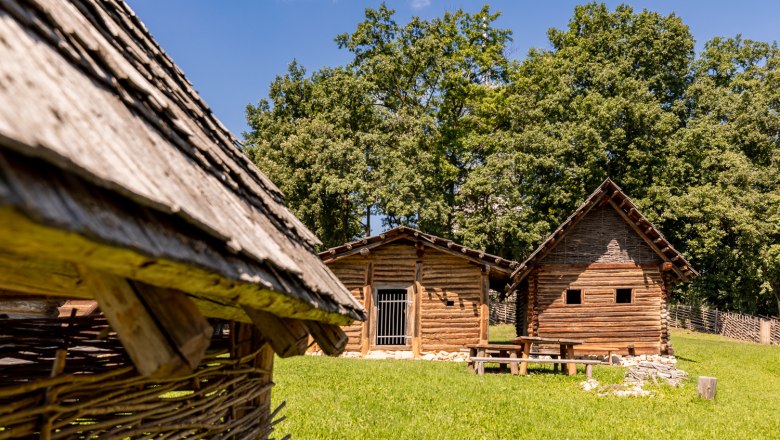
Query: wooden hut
[118, 184]
[603, 276]
[422, 293]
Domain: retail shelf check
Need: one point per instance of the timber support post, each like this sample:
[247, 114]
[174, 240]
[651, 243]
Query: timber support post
[484, 307]
[417, 302]
[368, 303]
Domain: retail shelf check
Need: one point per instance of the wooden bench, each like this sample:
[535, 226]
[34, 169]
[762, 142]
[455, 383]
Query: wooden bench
[479, 363]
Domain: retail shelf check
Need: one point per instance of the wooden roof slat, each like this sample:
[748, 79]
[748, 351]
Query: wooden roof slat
[101, 100]
[433, 241]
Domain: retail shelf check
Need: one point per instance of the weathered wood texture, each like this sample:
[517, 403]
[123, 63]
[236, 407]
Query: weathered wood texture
[444, 277]
[89, 93]
[167, 259]
[599, 321]
[707, 387]
[601, 237]
[161, 329]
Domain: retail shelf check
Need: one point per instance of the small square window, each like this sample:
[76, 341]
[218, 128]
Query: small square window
[623, 296]
[573, 296]
[450, 303]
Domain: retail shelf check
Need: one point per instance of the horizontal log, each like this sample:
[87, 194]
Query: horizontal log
[40, 276]
[583, 325]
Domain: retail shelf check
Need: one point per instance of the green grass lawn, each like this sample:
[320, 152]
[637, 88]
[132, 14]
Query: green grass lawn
[355, 398]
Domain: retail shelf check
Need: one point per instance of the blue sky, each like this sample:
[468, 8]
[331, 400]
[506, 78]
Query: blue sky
[232, 50]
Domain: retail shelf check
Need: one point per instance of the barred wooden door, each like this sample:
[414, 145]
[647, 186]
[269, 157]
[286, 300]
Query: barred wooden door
[391, 310]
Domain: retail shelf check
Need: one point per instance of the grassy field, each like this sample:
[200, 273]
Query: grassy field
[354, 398]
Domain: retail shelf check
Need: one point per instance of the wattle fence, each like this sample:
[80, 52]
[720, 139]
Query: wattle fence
[733, 325]
[502, 312]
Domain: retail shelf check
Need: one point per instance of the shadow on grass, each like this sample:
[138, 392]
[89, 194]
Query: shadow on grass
[534, 371]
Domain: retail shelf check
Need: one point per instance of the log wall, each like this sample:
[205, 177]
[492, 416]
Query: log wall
[442, 277]
[449, 278]
[599, 320]
[352, 273]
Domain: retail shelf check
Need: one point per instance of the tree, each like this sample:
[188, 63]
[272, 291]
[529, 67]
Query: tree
[725, 206]
[315, 143]
[431, 126]
[423, 74]
[602, 102]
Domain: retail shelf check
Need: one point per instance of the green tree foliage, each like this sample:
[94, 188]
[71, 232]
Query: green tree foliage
[316, 144]
[431, 126]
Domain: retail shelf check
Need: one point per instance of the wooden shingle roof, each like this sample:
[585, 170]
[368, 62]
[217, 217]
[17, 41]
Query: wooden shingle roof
[608, 193]
[500, 268]
[103, 139]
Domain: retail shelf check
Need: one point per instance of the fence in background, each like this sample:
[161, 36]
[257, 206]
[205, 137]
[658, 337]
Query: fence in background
[502, 312]
[733, 325]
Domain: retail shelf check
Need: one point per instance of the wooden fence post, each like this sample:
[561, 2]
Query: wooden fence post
[707, 387]
[765, 336]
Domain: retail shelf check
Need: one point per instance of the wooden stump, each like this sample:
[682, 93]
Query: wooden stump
[707, 387]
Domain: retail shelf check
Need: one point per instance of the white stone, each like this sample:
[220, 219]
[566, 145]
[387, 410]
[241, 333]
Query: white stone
[404, 354]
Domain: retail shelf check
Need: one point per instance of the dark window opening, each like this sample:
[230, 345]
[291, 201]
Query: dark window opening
[391, 317]
[450, 303]
[623, 296]
[573, 296]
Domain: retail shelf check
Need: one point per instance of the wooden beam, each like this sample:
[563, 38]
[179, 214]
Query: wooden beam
[331, 338]
[40, 276]
[288, 337]
[179, 318]
[162, 331]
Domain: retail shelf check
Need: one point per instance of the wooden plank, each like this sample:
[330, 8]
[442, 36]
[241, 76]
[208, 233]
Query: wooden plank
[40, 276]
[143, 334]
[288, 337]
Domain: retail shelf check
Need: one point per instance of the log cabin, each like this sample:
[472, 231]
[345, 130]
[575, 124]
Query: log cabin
[422, 293]
[118, 184]
[603, 276]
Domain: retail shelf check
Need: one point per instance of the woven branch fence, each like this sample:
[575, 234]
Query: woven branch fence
[96, 392]
[732, 325]
[502, 312]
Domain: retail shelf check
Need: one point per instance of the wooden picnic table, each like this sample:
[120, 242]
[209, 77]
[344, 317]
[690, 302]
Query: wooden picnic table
[566, 350]
[502, 350]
